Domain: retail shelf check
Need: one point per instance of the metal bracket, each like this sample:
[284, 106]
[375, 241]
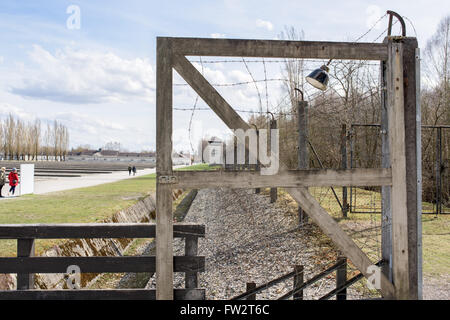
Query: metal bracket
[400, 19]
[168, 179]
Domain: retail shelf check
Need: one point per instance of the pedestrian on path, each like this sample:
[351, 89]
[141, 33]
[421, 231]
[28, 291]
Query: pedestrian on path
[2, 180]
[134, 170]
[13, 178]
[129, 170]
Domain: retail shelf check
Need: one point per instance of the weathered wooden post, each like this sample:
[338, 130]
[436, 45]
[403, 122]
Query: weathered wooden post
[273, 191]
[25, 249]
[298, 282]
[438, 170]
[404, 139]
[344, 166]
[303, 158]
[164, 217]
[386, 210]
[257, 190]
[191, 250]
[251, 286]
[341, 278]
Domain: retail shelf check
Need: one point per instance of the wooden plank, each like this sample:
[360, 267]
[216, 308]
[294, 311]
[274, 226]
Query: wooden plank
[164, 216]
[398, 164]
[120, 294]
[273, 191]
[386, 209]
[345, 206]
[302, 152]
[301, 195]
[250, 287]
[298, 282]
[412, 137]
[191, 250]
[419, 179]
[341, 279]
[96, 264]
[279, 49]
[25, 248]
[288, 178]
[94, 230]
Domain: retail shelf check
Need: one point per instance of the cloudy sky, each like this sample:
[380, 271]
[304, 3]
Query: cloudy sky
[96, 74]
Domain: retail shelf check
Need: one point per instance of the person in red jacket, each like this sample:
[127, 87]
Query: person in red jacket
[13, 178]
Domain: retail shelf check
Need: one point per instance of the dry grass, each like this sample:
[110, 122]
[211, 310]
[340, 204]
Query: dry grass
[365, 229]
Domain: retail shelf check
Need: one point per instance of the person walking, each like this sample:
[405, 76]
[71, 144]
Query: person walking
[2, 180]
[129, 170]
[13, 178]
[134, 170]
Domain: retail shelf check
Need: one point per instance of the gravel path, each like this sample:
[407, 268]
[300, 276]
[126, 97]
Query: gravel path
[248, 239]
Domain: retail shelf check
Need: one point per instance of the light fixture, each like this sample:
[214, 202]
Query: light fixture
[318, 78]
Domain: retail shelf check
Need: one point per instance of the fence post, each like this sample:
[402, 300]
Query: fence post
[298, 281]
[190, 250]
[341, 278]
[386, 212]
[257, 190]
[302, 117]
[25, 248]
[438, 170]
[251, 286]
[344, 166]
[273, 191]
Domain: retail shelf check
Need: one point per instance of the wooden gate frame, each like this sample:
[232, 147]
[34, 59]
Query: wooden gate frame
[398, 58]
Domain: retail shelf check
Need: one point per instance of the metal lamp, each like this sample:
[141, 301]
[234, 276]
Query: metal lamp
[319, 78]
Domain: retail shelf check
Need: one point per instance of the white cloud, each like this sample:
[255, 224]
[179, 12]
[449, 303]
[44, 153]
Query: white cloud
[6, 109]
[85, 129]
[77, 76]
[264, 24]
[2, 59]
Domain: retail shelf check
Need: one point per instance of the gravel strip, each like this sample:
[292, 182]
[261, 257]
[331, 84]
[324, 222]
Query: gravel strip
[248, 239]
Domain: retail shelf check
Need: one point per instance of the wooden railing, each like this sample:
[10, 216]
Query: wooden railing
[299, 284]
[25, 265]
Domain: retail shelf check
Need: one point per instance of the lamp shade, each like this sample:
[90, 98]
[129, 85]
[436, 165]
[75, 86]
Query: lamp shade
[319, 78]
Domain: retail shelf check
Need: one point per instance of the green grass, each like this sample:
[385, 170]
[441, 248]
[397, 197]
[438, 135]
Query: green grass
[435, 230]
[82, 205]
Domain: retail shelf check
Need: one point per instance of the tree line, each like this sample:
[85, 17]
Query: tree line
[31, 141]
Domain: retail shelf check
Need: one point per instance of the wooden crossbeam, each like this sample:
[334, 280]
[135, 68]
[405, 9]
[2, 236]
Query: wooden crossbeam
[30, 265]
[109, 294]
[279, 49]
[94, 230]
[328, 225]
[287, 179]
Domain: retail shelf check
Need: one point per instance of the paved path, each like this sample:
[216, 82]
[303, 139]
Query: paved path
[45, 185]
[86, 180]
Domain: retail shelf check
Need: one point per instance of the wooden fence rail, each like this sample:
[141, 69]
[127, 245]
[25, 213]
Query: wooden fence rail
[25, 265]
[299, 284]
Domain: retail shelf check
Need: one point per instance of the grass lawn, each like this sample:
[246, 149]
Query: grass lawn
[435, 230]
[83, 205]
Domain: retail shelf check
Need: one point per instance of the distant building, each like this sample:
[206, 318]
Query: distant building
[213, 151]
[111, 155]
